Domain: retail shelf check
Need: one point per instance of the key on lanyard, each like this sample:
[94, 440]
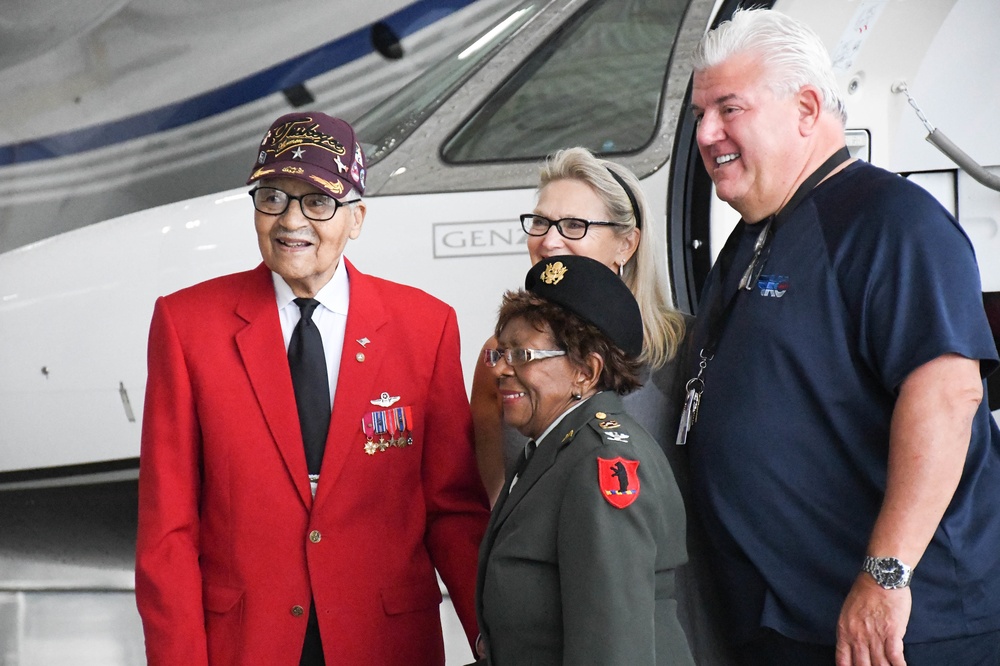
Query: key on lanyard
[695, 387]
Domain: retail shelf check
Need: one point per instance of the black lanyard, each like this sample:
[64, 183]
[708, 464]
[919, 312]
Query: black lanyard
[718, 314]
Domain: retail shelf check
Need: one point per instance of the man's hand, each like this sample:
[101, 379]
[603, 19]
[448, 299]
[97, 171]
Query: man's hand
[871, 625]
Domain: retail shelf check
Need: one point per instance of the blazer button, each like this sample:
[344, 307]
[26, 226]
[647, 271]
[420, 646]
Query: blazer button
[315, 536]
[297, 611]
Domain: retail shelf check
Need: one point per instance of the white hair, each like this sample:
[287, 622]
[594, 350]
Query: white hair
[793, 54]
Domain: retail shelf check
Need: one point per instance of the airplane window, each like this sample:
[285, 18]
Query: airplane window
[597, 84]
[385, 126]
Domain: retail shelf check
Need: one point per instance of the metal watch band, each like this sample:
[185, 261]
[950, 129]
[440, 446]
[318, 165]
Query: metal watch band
[889, 572]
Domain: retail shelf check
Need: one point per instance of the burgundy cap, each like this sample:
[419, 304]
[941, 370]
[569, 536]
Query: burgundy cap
[313, 147]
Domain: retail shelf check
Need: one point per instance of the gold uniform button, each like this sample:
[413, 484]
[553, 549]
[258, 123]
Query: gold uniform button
[297, 611]
[360, 357]
[315, 536]
[601, 415]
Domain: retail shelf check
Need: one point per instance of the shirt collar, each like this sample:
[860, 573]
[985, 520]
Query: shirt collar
[334, 295]
[552, 426]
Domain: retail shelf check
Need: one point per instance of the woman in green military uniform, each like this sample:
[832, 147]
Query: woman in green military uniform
[577, 566]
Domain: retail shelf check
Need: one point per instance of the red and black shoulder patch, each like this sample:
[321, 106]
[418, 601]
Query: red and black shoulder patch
[618, 479]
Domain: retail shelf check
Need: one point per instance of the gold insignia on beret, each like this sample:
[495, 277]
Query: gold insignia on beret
[295, 171]
[568, 436]
[600, 415]
[553, 273]
[336, 188]
[610, 424]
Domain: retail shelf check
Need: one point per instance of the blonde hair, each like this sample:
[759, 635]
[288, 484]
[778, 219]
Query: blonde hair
[645, 275]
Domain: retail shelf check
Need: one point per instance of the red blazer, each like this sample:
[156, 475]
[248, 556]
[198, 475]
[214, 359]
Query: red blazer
[231, 544]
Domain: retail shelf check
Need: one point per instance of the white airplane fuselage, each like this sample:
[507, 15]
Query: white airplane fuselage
[75, 307]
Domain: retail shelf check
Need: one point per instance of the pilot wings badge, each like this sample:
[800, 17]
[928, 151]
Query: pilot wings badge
[385, 400]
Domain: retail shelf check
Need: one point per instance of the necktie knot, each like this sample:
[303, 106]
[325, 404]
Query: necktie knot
[529, 448]
[306, 307]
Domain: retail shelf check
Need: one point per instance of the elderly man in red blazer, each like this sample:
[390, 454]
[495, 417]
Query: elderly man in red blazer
[293, 509]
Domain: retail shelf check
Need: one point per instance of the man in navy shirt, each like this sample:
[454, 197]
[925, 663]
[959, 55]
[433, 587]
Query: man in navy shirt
[840, 444]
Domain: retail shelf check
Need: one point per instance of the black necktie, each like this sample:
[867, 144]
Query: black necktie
[529, 449]
[312, 388]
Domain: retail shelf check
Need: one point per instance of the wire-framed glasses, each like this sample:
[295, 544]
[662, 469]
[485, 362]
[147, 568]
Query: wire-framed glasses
[518, 356]
[572, 228]
[315, 206]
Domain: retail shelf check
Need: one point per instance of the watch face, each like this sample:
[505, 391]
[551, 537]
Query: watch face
[888, 572]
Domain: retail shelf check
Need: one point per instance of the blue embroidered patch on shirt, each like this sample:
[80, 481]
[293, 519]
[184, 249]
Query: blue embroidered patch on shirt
[773, 285]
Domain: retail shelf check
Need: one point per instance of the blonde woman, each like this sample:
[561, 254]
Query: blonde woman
[594, 208]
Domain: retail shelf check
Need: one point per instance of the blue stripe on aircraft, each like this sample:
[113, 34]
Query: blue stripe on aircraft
[322, 59]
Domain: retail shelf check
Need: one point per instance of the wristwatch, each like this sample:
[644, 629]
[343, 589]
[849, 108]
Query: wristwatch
[888, 572]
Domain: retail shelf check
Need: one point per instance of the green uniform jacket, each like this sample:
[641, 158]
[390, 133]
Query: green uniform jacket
[566, 577]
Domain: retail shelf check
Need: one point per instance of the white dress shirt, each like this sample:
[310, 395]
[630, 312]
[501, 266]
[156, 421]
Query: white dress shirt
[330, 318]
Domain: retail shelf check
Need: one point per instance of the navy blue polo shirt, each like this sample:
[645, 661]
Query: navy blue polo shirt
[866, 280]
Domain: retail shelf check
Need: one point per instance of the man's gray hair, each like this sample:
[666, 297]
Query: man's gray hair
[793, 55]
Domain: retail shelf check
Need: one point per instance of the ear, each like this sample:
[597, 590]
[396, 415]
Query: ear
[357, 219]
[589, 374]
[629, 244]
[810, 107]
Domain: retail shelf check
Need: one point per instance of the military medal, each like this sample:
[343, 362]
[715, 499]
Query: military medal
[368, 428]
[391, 427]
[395, 436]
[403, 419]
[381, 427]
[397, 426]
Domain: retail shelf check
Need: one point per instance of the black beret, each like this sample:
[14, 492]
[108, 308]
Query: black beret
[593, 292]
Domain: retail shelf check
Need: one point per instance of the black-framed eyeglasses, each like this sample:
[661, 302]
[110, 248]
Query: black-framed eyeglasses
[518, 356]
[572, 228]
[315, 206]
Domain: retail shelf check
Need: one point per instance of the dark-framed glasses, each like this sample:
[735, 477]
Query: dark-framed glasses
[572, 228]
[518, 356]
[315, 206]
